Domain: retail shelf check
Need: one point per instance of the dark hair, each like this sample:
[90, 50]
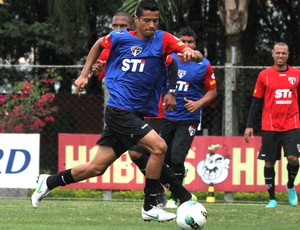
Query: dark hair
[280, 44]
[187, 31]
[146, 5]
[125, 14]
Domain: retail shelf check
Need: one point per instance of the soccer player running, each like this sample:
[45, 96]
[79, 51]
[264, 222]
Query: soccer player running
[134, 80]
[196, 86]
[123, 20]
[277, 92]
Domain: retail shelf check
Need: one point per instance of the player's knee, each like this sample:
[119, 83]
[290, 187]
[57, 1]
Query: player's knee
[95, 170]
[134, 155]
[293, 160]
[160, 148]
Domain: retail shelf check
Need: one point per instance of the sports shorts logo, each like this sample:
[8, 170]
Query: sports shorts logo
[136, 50]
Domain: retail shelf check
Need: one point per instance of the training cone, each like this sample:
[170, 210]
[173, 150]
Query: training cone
[211, 194]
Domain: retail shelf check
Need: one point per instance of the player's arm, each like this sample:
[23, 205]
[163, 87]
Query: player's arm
[255, 109]
[169, 100]
[94, 53]
[171, 44]
[172, 75]
[189, 54]
[192, 106]
[211, 91]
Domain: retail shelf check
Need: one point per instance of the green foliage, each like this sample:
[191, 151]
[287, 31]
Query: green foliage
[139, 195]
[76, 193]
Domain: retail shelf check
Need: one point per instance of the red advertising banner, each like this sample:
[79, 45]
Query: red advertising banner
[228, 162]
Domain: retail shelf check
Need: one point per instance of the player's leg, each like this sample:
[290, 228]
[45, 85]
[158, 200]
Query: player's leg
[290, 142]
[182, 139]
[167, 178]
[269, 175]
[139, 157]
[270, 152]
[157, 148]
[104, 157]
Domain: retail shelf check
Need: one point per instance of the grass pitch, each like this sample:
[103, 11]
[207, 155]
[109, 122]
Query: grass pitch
[114, 215]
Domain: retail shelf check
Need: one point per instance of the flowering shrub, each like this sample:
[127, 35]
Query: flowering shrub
[28, 107]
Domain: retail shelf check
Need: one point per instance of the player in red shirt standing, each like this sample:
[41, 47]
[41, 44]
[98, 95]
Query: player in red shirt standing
[276, 92]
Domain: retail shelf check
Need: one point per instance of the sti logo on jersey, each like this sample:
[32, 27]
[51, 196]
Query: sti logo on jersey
[181, 73]
[136, 50]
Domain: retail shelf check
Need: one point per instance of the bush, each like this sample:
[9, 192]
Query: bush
[27, 106]
[139, 195]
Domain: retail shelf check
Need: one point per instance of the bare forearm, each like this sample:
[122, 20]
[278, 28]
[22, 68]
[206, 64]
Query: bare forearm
[208, 96]
[92, 57]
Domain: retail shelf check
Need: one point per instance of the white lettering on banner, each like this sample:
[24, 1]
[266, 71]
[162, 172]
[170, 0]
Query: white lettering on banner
[120, 172]
[235, 166]
[19, 160]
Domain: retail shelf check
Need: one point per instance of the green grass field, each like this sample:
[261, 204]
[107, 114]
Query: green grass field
[113, 215]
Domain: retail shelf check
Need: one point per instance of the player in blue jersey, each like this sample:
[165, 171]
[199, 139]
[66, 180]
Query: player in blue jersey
[123, 20]
[134, 73]
[196, 86]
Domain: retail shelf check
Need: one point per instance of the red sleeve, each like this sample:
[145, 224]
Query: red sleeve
[172, 44]
[106, 42]
[209, 78]
[103, 57]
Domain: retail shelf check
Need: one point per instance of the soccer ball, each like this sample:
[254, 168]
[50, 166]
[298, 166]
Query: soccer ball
[191, 215]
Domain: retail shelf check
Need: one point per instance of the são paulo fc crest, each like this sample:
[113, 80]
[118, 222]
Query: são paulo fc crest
[192, 130]
[292, 80]
[136, 50]
[181, 73]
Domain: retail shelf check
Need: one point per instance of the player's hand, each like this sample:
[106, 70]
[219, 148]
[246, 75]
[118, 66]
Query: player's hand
[98, 67]
[169, 102]
[80, 84]
[190, 55]
[248, 134]
[190, 105]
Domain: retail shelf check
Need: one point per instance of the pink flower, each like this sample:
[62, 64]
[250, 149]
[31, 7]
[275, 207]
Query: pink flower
[2, 98]
[49, 118]
[18, 129]
[27, 87]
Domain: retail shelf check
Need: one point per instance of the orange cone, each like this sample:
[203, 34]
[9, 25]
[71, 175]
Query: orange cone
[211, 194]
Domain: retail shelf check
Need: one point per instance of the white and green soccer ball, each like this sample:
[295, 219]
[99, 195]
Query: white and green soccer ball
[191, 215]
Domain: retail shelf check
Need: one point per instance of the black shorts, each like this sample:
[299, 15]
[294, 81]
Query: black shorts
[156, 124]
[272, 142]
[179, 136]
[123, 129]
